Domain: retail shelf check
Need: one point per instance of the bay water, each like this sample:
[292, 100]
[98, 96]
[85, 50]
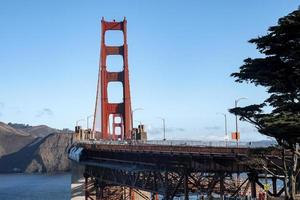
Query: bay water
[35, 186]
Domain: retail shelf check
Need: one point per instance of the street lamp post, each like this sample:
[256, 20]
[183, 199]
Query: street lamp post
[226, 134]
[132, 115]
[87, 121]
[164, 127]
[77, 122]
[236, 131]
[140, 122]
[78, 131]
[132, 120]
[236, 119]
[87, 126]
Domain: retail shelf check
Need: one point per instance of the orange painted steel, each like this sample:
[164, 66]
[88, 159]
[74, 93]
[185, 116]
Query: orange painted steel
[121, 109]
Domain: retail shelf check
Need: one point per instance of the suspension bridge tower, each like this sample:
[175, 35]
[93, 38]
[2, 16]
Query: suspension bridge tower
[107, 109]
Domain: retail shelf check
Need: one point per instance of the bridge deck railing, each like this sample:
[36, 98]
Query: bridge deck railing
[195, 143]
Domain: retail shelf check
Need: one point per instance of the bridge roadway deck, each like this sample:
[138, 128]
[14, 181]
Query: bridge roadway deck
[169, 169]
[141, 156]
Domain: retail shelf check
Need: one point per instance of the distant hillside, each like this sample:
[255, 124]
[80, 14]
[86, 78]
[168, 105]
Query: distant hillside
[52, 154]
[12, 140]
[25, 148]
[35, 131]
[48, 154]
[264, 143]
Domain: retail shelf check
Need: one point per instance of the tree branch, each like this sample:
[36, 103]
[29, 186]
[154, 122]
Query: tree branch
[297, 153]
[285, 174]
[298, 172]
[253, 122]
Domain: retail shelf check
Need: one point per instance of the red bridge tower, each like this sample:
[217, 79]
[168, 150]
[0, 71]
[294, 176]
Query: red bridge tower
[122, 110]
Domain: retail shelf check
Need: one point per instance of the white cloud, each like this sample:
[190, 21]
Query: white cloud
[44, 112]
[212, 127]
[157, 131]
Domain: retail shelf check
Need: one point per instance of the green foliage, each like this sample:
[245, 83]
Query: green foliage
[19, 126]
[279, 72]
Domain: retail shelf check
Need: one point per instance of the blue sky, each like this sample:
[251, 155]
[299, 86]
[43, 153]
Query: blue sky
[181, 54]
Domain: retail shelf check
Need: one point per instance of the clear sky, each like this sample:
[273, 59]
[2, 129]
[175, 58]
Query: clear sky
[181, 54]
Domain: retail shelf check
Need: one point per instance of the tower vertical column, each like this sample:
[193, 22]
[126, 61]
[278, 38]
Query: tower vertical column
[127, 98]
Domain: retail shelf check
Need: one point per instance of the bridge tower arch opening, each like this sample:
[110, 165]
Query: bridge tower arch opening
[122, 109]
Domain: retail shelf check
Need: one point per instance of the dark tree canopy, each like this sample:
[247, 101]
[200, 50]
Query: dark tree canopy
[279, 72]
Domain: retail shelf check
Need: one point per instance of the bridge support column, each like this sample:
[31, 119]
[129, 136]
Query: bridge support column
[274, 184]
[222, 186]
[298, 185]
[99, 189]
[123, 193]
[98, 193]
[166, 185]
[253, 179]
[86, 193]
[154, 196]
[186, 187]
[238, 182]
[131, 194]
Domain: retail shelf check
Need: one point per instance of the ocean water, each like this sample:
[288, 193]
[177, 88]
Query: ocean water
[35, 187]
